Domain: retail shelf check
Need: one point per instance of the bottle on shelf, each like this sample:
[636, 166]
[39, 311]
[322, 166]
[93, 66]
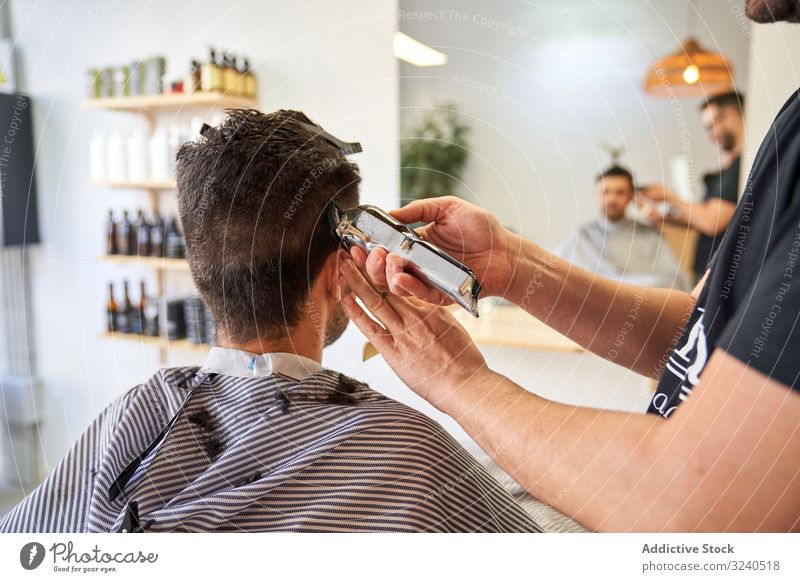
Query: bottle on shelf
[111, 310]
[119, 78]
[240, 85]
[93, 83]
[157, 236]
[229, 74]
[97, 156]
[125, 236]
[191, 84]
[138, 162]
[124, 312]
[211, 73]
[159, 155]
[176, 138]
[155, 67]
[137, 313]
[194, 316]
[249, 80]
[136, 81]
[151, 310]
[116, 158]
[111, 235]
[142, 229]
[175, 248]
[106, 82]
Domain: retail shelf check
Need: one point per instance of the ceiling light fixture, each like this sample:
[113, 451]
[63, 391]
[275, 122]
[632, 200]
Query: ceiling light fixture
[692, 71]
[416, 53]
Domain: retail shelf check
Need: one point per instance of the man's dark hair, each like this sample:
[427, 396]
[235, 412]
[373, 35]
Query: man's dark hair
[252, 194]
[728, 99]
[616, 171]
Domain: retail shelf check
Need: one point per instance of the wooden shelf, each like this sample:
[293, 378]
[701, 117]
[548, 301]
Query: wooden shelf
[168, 185]
[181, 344]
[144, 103]
[161, 263]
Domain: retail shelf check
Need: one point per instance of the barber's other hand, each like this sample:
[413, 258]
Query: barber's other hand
[424, 344]
[467, 232]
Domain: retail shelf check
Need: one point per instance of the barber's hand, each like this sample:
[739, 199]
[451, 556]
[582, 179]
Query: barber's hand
[650, 212]
[470, 234]
[657, 193]
[424, 344]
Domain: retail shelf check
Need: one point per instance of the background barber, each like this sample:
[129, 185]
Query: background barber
[722, 118]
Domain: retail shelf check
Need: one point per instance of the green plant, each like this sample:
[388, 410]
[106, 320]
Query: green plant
[433, 157]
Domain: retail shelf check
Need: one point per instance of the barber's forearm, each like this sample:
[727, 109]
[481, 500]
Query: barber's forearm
[630, 325]
[709, 218]
[691, 215]
[585, 462]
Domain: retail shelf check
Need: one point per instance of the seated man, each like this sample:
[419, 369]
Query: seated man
[262, 437]
[619, 248]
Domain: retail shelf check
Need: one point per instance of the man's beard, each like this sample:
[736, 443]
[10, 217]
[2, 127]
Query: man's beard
[336, 325]
[727, 142]
[773, 10]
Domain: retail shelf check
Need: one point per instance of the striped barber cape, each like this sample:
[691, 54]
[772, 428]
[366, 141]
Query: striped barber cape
[195, 450]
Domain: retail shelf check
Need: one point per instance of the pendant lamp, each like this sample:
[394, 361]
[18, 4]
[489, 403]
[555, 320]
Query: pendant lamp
[691, 71]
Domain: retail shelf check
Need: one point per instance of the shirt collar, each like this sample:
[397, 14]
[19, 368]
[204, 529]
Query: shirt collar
[234, 362]
[614, 226]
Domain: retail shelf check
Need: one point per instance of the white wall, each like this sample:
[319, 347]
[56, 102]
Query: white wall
[774, 75]
[549, 82]
[330, 59]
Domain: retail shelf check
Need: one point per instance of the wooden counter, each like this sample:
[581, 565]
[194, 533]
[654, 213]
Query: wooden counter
[509, 326]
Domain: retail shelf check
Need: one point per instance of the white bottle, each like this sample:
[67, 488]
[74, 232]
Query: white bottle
[138, 166]
[97, 157]
[176, 138]
[159, 155]
[116, 158]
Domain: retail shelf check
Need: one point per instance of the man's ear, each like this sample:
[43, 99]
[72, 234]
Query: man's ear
[333, 277]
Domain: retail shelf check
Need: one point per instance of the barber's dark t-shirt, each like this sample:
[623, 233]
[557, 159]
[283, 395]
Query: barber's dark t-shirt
[725, 186]
[750, 303]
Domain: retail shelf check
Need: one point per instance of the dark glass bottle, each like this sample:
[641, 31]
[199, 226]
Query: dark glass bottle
[157, 237]
[124, 313]
[111, 235]
[195, 75]
[137, 317]
[142, 235]
[249, 81]
[174, 243]
[111, 310]
[151, 309]
[125, 238]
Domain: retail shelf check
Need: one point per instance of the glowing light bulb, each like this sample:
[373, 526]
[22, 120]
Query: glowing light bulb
[691, 74]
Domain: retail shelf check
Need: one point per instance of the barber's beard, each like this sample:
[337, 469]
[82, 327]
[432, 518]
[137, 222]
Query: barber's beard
[336, 325]
[773, 10]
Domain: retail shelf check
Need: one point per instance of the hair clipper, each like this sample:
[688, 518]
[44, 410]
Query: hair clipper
[368, 227]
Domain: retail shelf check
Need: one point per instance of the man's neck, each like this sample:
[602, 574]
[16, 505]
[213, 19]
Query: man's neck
[611, 221]
[728, 157]
[303, 340]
